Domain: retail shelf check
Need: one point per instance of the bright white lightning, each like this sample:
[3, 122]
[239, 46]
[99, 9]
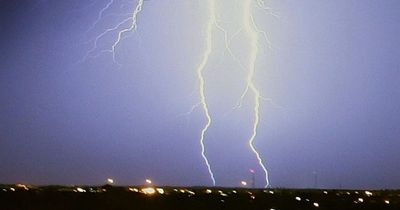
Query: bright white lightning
[252, 33]
[227, 43]
[100, 15]
[96, 40]
[249, 28]
[133, 26]
[262, 5]
[200, 75]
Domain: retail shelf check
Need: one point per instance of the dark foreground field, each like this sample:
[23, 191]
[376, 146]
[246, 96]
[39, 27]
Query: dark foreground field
[177, 198]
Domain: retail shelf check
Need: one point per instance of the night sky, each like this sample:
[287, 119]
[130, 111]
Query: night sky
[332, 76]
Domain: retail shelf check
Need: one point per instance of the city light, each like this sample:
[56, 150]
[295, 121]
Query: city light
[23, 186]
[191, 192]
[148, 191]
[368, 193]
[80, 190]
[160, 190]
[133, 189]
[110, 181]
[299, 199]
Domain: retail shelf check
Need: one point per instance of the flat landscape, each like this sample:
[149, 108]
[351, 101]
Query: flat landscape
[187, 198]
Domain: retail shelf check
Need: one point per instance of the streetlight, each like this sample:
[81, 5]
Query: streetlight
[110, 181]
[244, 183]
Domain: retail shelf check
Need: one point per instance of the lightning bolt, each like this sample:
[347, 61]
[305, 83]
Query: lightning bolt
[200, 75]
[252, 31]
[132, 27]
[261, 4]
[253, 34]
[249, 28]
[100, 15]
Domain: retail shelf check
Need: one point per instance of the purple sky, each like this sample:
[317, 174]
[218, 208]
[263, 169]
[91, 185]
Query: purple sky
[333, 76]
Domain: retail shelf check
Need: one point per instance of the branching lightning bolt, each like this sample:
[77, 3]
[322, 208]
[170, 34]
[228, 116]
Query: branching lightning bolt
[100, 15]
[249, 28]
[263, 6]
[200, 75]
[132, 27]
[252, 33]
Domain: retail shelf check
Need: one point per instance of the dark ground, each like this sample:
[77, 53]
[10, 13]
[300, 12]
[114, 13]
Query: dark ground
[178, 198]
